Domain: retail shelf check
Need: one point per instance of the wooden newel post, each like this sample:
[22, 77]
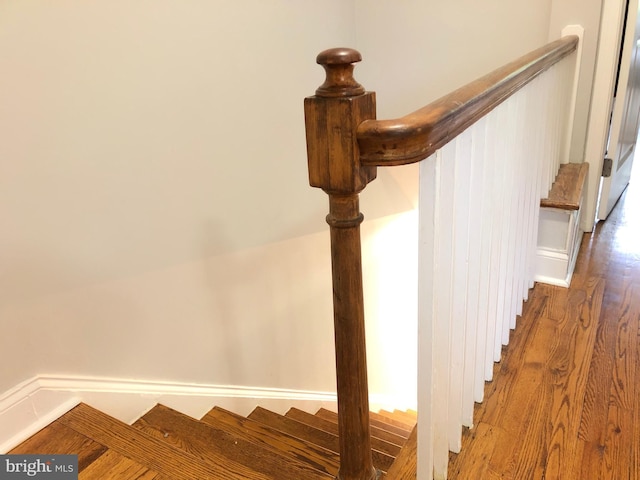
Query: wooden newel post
[332, 117]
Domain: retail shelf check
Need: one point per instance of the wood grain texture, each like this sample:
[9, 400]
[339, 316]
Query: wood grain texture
[383, 420]
[406, 465]
[409, 419]
[216, 445]
[57, 438]
[416, 136]
[112, 465]
[331, 118]
[331, 426]
[566, 191]
[284, 444]
[153, 453]
[381, 449]
[345, 143]
[376, 420]
[296, 428]
[564, 400]
[166, 445]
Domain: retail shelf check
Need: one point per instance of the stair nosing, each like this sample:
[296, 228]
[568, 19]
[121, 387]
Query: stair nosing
[399, 441]
[270, 458]
[381, 457]
[303, 447]
[96, 430]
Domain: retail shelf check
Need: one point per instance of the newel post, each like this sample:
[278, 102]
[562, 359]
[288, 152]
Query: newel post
[332, 117]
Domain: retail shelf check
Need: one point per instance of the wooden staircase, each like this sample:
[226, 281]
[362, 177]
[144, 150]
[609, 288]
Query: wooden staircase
[167, 445]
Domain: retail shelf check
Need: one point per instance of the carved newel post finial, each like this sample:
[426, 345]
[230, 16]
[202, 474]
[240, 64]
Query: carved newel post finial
[338, 65]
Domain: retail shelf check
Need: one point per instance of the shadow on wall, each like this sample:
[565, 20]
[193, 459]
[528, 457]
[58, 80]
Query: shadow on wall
[256, 317]
[272, 305]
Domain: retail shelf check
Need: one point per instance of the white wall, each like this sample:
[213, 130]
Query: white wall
[155, 216]
[426, 48]
[587, 14]
[152, 169]
[139, 134]
[415, 51]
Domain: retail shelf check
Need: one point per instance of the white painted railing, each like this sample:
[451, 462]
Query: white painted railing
[479, 206]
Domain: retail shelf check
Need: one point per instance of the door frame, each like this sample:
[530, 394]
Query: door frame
[609, 41]
[625, 104]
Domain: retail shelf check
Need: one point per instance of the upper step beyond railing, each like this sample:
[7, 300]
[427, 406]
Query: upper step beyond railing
[345, 144]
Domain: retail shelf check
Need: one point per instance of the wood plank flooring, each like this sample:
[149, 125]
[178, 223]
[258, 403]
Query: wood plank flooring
[165, 444]
[565, 399]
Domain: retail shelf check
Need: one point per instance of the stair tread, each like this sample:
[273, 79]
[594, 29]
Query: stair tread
[406, 465]
[410, 415]
[389, 418]
[398, 417]
[298, 429]
[217, 445]
[167, 445]
[383, 452]
[317, 456]
[566, 191]
[151, 452]
[332, 426]
[380, 440]
[114, 465]
[58, 439]
[374, 420]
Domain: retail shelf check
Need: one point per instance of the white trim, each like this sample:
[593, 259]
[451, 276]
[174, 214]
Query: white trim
[553, 267]
[601, 100]
[18, 393]
[24, 410]
[145, 387]
[554, 281]
[577, 30]
[33, 404]
[22, 421]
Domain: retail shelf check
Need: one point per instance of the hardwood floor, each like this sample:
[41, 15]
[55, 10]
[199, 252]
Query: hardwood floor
[565, 400]
[165, 444]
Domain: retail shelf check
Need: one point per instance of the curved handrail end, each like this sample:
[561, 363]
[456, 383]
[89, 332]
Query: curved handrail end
[417, 135]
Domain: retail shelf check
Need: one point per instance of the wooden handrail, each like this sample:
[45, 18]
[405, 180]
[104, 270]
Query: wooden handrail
[345, 144]
[414, 137]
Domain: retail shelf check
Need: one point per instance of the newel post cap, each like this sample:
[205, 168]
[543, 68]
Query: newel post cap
[338, 65]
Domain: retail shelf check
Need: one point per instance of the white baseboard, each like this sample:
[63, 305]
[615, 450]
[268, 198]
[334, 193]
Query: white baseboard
[553, 267]
[559, 239]
[32, 405]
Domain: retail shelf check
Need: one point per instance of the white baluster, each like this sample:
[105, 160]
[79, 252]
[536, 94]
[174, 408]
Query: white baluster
[497, 122]
[479, 209]
[477, 236]
[461, 184]
[443, 272]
